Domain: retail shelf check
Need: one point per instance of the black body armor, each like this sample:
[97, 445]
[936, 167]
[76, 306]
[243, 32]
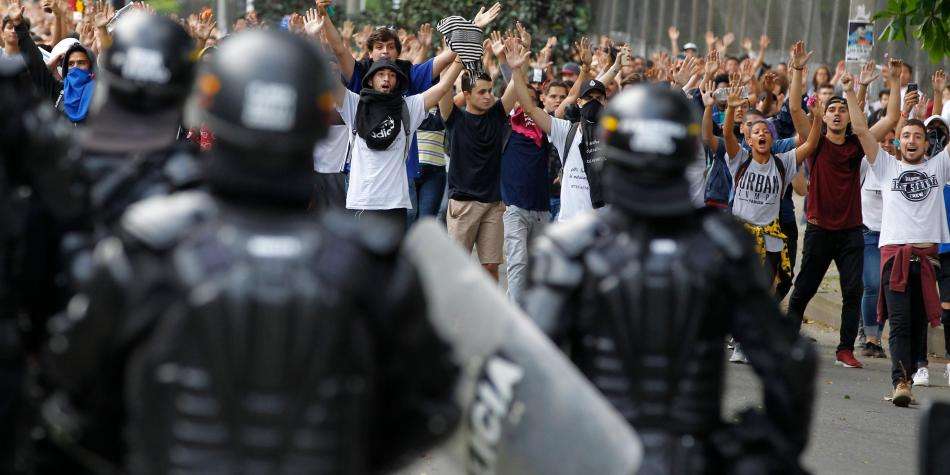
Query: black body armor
[643, 306]
[222, 338]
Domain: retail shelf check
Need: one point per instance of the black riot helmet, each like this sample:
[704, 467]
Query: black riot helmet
[149, 66]
[650, 135]
[267, 96]
[650, 129]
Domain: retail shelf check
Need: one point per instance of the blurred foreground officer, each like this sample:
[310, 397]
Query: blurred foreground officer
[227, 332]
[129, 149]
[644, 295]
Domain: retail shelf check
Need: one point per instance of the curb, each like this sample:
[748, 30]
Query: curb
[825, 308]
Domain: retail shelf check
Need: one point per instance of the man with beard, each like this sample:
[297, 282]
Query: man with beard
[576, 142]
[912, 225]
[383, 123]
[642, 295]
[835, 224]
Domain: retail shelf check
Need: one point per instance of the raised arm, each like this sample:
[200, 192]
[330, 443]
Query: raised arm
[807, 148]
[797, 62]
[435, 93]
[336, 42]
[674, 35]
[584, 52]
[889, 120]
[709, 138]
[940, 82]
[859, 123]
[735, 100]
[868, 74]
[516, 56]
[611, 72]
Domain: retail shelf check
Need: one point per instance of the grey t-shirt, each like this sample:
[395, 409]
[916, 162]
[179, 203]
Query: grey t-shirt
[758, 195]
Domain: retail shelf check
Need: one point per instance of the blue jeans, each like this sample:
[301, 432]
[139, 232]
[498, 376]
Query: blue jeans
[555, 207]
[871, 278]
[425, 192]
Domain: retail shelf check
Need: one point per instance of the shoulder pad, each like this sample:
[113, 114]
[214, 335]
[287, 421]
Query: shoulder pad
[375, 235]
[159, 222]
[577, 235]
[725, 233]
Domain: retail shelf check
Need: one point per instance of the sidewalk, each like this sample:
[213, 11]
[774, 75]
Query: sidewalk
[825, 307]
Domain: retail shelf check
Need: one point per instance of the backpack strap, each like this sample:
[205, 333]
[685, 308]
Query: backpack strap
[741, 170]
[569, 140]
[781, 170]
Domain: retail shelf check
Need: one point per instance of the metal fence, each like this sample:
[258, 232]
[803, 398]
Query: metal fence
[823, 24]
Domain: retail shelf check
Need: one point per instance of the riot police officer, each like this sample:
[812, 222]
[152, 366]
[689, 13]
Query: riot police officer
[643, 295]
[129, 149]
[229, 331]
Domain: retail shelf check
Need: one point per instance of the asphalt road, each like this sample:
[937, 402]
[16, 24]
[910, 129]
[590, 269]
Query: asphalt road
[854, 430]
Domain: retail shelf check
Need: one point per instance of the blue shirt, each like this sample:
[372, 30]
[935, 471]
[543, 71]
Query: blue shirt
[945, 247]
[524, 174]
[420, 79]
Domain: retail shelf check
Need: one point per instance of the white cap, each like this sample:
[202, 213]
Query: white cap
[690, 46]
[60, 49]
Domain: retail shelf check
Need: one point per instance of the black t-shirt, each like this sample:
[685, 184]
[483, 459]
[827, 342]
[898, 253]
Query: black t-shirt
[476, 143]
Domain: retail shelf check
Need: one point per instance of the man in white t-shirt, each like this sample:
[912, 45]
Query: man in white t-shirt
[580, 179]
[380, 140]
[913, 222]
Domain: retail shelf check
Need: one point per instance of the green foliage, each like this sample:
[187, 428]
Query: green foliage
[165, 6]
[926, 20]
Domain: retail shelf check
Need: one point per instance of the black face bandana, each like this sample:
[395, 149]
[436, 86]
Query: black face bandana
[590, 151]
[378, 118]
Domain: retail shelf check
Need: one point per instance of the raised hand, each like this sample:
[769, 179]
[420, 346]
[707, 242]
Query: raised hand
[516, 54]
[894, 69]
[15, 12]
[735, 99]
[205, 25]
[523, 34]
[673, 33]
[497, 43]
[910, 100]
[712, 62]
[710, 39]
[799, 58]
[707, 90]
[939, 81]
[728, 38]
[747, 43]
[484, 18]
[763, 42]
[685, 71]
[348, 26]
[868, 73]
[847, 81]
[583, 50]
[768, 81]
[747, 70]
[425, 35]
[315, 21]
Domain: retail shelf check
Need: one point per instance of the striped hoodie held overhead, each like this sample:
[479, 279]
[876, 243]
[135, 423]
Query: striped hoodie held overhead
[465, 39]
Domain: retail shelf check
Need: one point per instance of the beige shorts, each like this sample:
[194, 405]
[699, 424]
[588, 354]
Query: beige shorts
[472, 223]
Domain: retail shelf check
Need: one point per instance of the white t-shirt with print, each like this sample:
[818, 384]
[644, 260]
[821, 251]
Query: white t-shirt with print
[757, 197]
[913, 199]
[378, 178]
[329, 154]
[872, 204]
[575, 191]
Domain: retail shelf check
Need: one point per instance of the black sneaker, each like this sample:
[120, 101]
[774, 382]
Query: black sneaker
[873, 350]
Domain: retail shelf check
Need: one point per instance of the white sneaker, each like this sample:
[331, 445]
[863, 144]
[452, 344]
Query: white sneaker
[738, 356]
[948, 374]
[922, 377]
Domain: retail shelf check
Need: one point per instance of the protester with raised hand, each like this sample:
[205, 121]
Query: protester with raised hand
[581, 155]
[833, 211]
[913, 222]
[72, 95]
[477, 137]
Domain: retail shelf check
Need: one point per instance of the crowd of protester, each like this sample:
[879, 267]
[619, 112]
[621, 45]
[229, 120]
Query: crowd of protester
[502, 144]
